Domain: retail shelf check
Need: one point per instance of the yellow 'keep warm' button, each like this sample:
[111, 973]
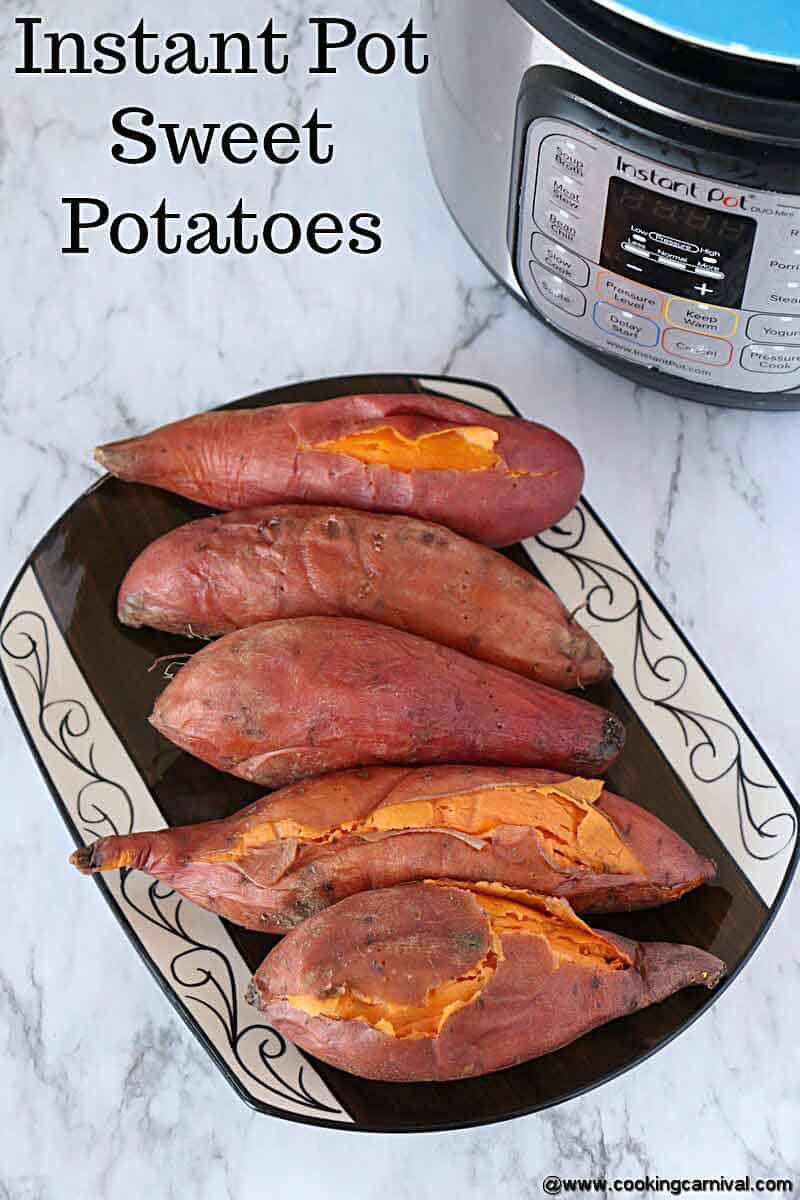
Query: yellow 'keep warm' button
[702, 318]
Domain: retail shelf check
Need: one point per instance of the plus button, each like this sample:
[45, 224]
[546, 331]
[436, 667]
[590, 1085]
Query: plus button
[703, 289]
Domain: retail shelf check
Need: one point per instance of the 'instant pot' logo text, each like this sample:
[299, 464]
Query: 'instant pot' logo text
[679, 187]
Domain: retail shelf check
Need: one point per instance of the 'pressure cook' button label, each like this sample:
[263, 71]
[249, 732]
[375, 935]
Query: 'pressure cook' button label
[559, 259]
[710, 351]
[621, 292]
[562, 294]
[780, 330]
[772, 360]
[626, 325]
[702, 318]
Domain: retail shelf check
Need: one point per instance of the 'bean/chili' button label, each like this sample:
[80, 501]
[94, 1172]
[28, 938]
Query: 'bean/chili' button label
[616, 290]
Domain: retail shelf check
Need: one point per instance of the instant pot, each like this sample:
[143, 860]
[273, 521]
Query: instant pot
[631, 169]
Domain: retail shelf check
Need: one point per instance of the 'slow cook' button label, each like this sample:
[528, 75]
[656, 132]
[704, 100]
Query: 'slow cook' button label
[628, 326]
[559, 259]
[772, 360]
[615, 290]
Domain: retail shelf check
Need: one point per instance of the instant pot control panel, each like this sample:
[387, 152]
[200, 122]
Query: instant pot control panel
[696, 277]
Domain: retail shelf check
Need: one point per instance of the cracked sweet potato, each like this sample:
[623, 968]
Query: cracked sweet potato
[278, 702]
[298, 851]
[440, 981]
[494, 479]
[223, 573]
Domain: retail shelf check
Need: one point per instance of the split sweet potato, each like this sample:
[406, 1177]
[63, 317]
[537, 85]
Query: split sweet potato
[278, 702]
[298, 851]
[494, 479]
[440, 981]
[223, 573]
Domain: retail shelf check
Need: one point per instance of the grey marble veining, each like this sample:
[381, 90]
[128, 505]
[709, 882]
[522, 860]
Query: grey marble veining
[103, 1093]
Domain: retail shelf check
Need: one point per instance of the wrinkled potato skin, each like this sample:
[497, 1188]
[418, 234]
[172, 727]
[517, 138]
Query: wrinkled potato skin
[279, 702]
[223, 573]
[277, 886]
[248, 457]
[399, 943]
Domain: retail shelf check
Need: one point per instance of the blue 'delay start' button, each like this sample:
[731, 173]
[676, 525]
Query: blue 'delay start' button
[629, 326]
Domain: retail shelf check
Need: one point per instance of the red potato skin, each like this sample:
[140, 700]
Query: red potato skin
[223, 573]
[279, 702]
[399, 943]
[247, 457]
[276, 886]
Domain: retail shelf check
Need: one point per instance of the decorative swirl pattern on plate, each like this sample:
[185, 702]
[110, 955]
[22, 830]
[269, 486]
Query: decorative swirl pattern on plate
[660, 673]
[201, 971]
[66, 726]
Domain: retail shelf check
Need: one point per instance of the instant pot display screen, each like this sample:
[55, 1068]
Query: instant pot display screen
[676, 246]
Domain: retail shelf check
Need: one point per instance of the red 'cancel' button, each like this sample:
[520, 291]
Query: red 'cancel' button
[698, 348]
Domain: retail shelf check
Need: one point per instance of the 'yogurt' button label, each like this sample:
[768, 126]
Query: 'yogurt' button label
[771, 360]
[774, 329]
[628, 326]
[621, 292]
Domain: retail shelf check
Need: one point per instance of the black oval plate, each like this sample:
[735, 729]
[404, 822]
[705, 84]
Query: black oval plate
[82, 687]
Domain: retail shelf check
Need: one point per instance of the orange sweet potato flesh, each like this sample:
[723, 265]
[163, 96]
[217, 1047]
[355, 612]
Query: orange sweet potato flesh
[298, 851]
[279, 702]
[227, 572]
[441, 981]
[494, 479]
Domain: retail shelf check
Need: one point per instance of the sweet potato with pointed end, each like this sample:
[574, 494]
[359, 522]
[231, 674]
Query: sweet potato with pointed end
[495, 479]
[223, 573]
[298, 851]
[279, 702]
[440, 981]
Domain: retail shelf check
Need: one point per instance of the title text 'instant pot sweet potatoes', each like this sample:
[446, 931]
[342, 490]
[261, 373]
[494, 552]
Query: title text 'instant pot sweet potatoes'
[276, 703]
[439, 981]
[223, 573]
[298, 851]
[495, 479]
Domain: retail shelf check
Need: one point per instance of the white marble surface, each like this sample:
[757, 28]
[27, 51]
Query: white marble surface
[102, 1091]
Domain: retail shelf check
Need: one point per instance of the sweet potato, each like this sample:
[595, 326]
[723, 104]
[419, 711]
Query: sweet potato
[495, 479]
[440, 981]
[278, 702]
[298, 851]
[224, 573]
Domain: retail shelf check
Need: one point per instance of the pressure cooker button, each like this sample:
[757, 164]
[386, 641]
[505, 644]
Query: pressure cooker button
[558, 292]
[561, 225]
[771, 360]
[566, 191]
[628, 326]
[557, 258]
[629, 295]
[785, 262]
[708, 351]
[702, 318]
[785, 296]
[568, 156]
[779, 330]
